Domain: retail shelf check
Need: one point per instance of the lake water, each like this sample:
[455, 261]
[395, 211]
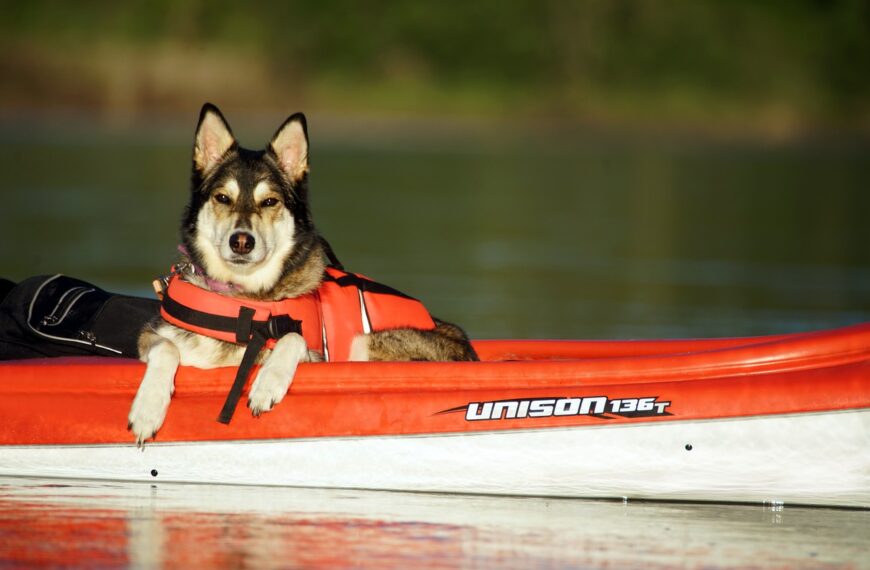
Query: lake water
[512, 234]
[526, 234]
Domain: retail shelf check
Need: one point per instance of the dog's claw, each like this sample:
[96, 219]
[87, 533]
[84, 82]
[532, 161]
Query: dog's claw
[257, 411]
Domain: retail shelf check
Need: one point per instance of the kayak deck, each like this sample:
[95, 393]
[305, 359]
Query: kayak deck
[86, 400]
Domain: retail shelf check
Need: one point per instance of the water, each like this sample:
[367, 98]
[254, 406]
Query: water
[508, 232]
[512, 234]
[45, 523]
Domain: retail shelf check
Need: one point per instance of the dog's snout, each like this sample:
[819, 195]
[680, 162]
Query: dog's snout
[242, 243]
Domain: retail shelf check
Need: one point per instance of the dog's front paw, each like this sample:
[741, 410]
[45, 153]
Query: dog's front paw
[148, 412]
[269, 388]
[277, 373]
[152, 399]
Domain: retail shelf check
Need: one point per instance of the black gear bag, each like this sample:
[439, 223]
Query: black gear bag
[56, 315]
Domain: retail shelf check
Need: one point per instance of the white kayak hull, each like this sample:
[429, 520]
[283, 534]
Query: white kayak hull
[792, 459]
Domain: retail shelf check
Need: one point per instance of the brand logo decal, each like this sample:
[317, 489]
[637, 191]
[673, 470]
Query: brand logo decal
[596, 406]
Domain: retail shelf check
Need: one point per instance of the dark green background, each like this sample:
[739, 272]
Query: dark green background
[567, 169]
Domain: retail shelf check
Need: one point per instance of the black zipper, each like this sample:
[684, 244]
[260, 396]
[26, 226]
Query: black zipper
[61, 309]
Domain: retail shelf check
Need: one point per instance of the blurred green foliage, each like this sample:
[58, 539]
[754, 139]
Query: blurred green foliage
[778, 64]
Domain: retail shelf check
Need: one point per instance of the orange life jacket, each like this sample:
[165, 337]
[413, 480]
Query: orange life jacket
[344, 306]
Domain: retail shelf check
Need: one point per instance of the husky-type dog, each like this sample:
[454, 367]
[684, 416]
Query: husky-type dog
[248, 232]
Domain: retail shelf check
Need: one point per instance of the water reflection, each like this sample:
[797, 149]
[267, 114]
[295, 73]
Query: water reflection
[53, 523]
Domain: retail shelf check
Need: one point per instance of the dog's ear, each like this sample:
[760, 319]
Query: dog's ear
[290, 146]
[213, 138]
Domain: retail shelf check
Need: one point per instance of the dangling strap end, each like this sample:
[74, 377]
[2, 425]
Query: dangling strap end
[258, 341]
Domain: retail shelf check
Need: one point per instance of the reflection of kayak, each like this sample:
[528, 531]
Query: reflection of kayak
[782, 418]
[130, 525]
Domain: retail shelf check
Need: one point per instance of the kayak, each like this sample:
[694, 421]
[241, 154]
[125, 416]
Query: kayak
[781, 419]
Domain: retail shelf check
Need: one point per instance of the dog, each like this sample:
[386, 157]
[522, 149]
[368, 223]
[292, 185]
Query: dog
[248, 235]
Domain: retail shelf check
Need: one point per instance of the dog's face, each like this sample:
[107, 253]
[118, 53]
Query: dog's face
[248, 213]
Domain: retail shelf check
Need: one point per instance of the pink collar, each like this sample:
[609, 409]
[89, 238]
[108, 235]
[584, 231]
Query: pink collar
[212, 284]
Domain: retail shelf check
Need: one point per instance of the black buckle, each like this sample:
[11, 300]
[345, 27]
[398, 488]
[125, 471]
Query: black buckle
[280, 325]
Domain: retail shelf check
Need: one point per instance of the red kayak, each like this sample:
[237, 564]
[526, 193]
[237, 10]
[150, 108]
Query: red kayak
[779, 418]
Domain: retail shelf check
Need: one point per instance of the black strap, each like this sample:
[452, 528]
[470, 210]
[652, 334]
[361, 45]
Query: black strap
[256, 344]
[364, 284]
[258, 332]
[279, 325]
[245, 324]
[242, 326]
[198, 318]
[333, 259]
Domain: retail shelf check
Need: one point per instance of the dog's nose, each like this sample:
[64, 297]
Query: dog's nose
[242, 243]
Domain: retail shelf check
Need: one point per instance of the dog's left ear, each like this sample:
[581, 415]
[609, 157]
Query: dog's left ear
[290, 146]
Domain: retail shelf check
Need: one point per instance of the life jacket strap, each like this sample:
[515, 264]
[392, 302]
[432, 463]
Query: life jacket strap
[255, 333]
[365, 285]
[330, 254]
[243, 326]
[255, 345]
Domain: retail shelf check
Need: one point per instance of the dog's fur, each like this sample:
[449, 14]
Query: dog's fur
[263, 195]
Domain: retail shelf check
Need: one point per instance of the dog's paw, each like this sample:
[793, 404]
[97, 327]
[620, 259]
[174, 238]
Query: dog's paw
[269, 388]
[152, 399]
[277, 373]
[148, 412]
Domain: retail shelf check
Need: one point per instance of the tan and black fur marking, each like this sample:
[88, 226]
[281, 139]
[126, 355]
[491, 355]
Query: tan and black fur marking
[248, 225]
[446, 342]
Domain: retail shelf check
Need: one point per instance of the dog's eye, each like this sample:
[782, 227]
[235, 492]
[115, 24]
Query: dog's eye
[269, 202]
[222, 199]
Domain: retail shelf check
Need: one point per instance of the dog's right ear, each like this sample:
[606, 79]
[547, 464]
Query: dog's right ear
[213, 139]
